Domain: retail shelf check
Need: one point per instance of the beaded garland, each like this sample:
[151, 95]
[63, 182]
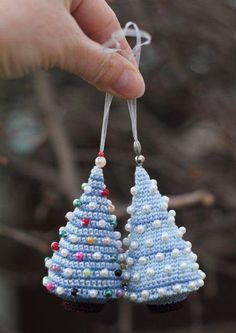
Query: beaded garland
[84, 266]
[161, 267]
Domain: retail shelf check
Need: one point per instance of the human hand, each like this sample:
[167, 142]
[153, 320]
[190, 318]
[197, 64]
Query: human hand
[66, 34]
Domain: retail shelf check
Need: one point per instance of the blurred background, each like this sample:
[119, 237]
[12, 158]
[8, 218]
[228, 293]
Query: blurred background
[50, 130]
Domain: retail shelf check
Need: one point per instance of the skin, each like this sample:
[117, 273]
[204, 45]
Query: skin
[66, 34]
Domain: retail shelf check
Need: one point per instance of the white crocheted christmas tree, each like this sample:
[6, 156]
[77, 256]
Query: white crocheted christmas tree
[161, 267]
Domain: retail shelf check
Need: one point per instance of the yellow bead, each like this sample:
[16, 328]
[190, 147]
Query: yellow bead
[90, 240]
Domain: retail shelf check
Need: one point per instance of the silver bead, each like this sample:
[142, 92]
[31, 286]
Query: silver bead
[100, 162]
[140, 159]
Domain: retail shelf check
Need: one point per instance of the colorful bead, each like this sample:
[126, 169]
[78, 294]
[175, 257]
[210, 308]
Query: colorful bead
[55, 246]
[87, 273]
[105, 192]
[107, 240]
[113, 224]
[108, 293]
[118, 272]
[114, 257]
[74, 292]
[85, 221]
[119, 293]
[111, 208]
[62, 232]
[55, 268]
[50, 286]
[90, 240]
[79, 256]
[101, 154]
[76, 203]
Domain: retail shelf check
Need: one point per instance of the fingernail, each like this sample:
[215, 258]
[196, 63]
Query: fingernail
[129, 85]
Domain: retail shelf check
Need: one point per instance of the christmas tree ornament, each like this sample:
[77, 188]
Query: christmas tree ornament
[84, 269]
[161, 268]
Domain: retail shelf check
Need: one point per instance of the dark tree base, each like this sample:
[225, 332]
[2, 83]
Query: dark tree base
[83, 307]
[165, 307]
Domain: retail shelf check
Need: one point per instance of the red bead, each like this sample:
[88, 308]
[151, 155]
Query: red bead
[55, 246]
[85, 221]
[105, 192]
[50, 286]
[101, 154]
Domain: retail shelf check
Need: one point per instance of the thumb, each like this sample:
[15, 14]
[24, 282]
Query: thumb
[109, 72]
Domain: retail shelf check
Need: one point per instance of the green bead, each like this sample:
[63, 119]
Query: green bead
[108, 293]
[87, 272]
[62, 233]
[76, 203]
[114, 258]
[114, 223]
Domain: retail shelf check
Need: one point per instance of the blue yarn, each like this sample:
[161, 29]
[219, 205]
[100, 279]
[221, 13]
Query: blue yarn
[63, 286]
[171, 276]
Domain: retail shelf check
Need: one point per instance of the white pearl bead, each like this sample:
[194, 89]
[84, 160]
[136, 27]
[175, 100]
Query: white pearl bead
[192, 285]
[133, 297]
[73, 238]
[171, 219]
[175, 253]
[117, 234]
[202, 274]
[156, 224]
[177, 288]
[161, 292]
[146, 209]
[165, 237]
[150, 272]
[97, 255]
[133, 245]
[126, 275]
[45, 281]
[92, 205]
[128, 227]
[87, 188]
[188, 244]
[195, 266]
[153, 181]
[69, 215]
[140, 229]
[129, 261]
[130, 210]
[149, 243]
[153, 188]
[68, 272]
[183, 230]
[118, 244]
[102, 223]
[48, 263]
[164, 206]
[93, 293]
[200, 283]
[172, 212]
[159, 256]
[121, 257]
[104, 273]
[100, 162]
[193, 256]
[83, 186]
[142, 260]
[187, 250]
[111, 208]
[133, 190]
[183, 266]
[60, 291]
[168, 269]
[136, 277]
[64, 252]
[165, 198]
[145, 294]
[126, 241]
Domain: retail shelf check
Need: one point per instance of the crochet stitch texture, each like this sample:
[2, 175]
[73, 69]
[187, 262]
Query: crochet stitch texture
[83, 265]
[162, 268]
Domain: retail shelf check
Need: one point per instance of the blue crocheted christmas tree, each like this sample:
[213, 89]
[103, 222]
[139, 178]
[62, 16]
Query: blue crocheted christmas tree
[161, 267]
[84, 266]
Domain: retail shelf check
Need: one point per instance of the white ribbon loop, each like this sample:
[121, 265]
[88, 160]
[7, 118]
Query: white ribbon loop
[113, 45]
